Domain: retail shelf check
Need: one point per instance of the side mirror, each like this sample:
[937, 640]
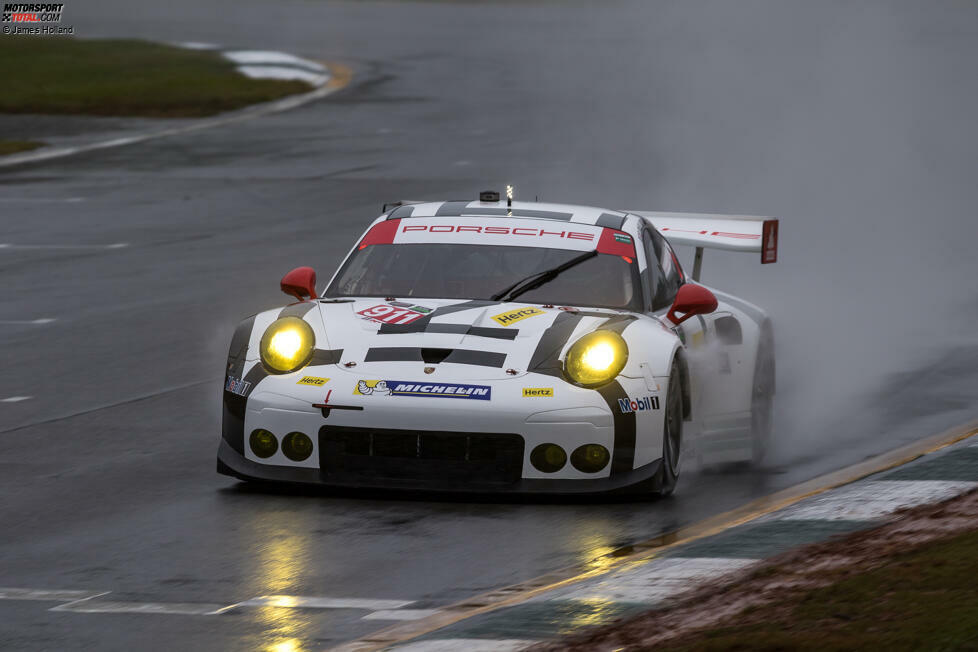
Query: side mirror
[300, 283]
[691, 300]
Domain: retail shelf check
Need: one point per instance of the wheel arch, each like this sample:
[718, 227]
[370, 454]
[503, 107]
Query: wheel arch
[684, 383]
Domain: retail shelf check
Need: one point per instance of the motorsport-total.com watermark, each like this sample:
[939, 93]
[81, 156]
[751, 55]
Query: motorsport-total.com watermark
[32, 18]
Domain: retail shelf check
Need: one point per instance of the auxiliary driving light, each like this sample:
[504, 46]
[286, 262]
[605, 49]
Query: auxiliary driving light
[287, 345]
[548, 458]
[590, 458]
[263, 443]
[596, 358]
[297, 446]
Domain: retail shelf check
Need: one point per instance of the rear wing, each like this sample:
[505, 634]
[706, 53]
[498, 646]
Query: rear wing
[731, 232]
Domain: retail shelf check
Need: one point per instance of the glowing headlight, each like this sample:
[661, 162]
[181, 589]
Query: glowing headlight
[287, 345]
[596, 358]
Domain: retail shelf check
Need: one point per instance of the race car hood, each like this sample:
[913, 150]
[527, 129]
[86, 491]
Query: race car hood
[458, 338]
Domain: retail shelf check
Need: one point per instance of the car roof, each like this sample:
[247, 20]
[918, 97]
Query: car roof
[538, 210]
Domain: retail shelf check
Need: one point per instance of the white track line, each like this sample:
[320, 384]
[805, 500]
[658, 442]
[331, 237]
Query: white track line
[308, 602]
[106, 607]
[467, 644]
[116, 245]
[46, 594]
[14, 399]
[43, 320]
[79, 601]
[400, 614]
[872, 500]
[41, 200]
[656, 580]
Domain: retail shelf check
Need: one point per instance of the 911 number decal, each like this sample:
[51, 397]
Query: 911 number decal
[386, 314]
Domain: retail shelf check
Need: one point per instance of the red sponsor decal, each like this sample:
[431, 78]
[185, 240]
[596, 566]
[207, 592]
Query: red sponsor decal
[382, 233]
[386, 314]
[616, 243]
[769, 242]
[745, 236]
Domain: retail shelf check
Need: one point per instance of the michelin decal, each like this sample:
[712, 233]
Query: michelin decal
[434, 390]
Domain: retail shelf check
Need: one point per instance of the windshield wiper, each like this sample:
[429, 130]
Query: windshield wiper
[536, 280]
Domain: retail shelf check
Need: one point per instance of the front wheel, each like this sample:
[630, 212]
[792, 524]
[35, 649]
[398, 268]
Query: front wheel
[672, 435]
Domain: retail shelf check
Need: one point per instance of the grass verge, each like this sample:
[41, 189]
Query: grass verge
[17, 146]
[908, 584]
[924, 599]
[125, 78]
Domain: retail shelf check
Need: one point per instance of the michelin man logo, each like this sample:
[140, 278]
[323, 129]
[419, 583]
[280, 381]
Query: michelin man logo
[373, 387]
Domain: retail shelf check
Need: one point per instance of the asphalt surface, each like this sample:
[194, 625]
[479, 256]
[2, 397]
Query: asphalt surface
[853, 124]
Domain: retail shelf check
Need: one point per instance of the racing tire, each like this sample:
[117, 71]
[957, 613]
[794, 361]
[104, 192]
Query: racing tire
[762, 396]
[672, 435]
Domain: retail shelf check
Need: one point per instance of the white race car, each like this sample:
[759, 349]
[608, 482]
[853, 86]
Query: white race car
[496, 346]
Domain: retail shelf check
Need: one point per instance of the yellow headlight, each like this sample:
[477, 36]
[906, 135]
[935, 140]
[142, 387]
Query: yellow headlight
[596, 358]
[287, 345]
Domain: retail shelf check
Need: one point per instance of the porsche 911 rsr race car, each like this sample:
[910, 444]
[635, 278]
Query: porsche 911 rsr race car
[493, 346]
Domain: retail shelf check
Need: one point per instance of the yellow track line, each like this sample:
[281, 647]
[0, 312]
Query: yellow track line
[646, 550]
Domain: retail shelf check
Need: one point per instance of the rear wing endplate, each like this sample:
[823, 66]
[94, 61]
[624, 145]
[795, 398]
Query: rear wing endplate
[731, 232]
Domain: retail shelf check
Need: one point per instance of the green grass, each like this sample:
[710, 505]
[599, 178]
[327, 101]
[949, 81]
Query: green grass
[924, 599]
[15, 146]
[125, 78]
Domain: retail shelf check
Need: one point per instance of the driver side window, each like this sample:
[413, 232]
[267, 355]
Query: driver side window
[664, 273]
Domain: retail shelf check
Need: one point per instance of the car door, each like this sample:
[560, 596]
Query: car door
[665, 276]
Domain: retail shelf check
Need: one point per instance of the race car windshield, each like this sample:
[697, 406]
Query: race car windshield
[461, 271]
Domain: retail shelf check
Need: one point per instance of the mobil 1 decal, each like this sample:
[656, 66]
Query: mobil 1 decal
[388, 314]
[640, 404]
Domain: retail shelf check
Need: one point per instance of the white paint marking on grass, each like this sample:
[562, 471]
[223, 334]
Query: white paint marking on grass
[268, 57]
[655, 580]
[872, 500]
[195, 45]
[312, 602]
[279, 72]
[467, 644]
[14, 399]
[56, 595]
[400, 614]
[116, 245]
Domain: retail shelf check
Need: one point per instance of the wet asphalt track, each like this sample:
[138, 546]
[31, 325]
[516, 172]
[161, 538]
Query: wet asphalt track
[106, 472]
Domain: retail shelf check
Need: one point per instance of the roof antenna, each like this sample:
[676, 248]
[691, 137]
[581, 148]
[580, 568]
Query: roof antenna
[509, 196]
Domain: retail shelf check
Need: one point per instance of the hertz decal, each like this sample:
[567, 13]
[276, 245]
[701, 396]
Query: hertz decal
[538, 391]
[507, 318]
[312, 380]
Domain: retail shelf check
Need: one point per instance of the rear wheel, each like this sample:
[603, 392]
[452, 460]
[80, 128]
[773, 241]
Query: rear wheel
[672, 435]
[762, 395]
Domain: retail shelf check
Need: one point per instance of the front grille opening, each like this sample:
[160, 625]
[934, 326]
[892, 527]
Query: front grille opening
[421, 456]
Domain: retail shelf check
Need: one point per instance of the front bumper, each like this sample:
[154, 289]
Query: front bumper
[440, 444]
[234, 464]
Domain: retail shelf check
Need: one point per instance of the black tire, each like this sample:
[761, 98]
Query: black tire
[672, 435]
[762, 395]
